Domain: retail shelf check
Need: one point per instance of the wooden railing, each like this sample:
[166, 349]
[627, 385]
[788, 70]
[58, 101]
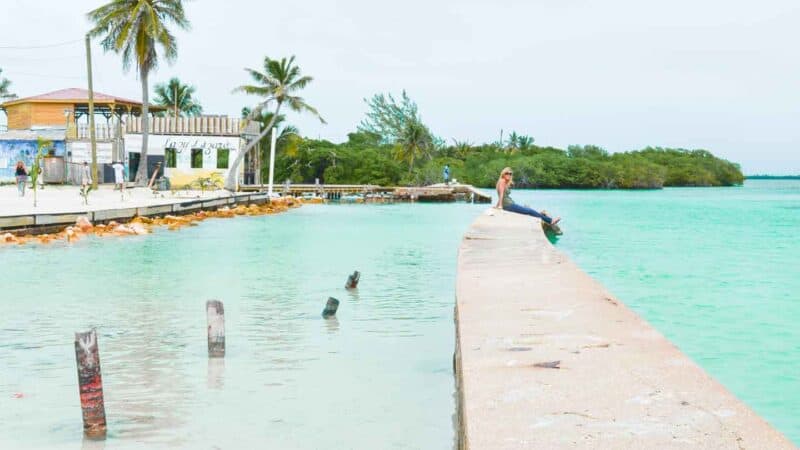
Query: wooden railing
[102, 132]
[203, 125]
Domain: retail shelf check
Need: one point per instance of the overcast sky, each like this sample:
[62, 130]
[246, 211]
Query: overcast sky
[723, 75]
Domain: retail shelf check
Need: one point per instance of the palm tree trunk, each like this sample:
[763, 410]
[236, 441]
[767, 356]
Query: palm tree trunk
[141, 172]
[230, 180]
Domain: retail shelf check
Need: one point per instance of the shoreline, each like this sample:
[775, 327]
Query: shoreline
[70, 222]
[546, 357]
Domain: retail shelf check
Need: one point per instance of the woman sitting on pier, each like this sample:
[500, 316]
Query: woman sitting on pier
[504, 198]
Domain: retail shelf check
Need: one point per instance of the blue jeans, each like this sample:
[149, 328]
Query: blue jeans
[21, 184]
[519, 209]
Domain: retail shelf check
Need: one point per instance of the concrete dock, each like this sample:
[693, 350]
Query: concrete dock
[61, 206]
[437, 193]
[547, 358]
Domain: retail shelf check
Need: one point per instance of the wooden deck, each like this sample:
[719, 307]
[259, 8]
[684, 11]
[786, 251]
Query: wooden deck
[435, 193]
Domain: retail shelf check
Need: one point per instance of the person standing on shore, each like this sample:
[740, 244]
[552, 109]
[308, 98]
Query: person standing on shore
[22, 177]
[119, 176]
[446, 174]
[505, 202]
[86, 175]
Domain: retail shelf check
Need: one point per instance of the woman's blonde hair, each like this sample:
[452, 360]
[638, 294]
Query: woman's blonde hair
[505, 171]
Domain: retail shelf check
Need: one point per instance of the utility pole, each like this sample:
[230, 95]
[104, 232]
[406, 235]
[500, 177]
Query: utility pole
[176, 104]
[91, 111]
[272, 161]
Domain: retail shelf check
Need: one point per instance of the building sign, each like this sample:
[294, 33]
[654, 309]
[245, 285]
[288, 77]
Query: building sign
[214, 159]
[186, 143]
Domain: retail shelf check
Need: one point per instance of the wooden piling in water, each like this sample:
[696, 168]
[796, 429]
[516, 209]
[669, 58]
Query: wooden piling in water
[352, 280]
[330, 308]
[215, 314]
[90, 384]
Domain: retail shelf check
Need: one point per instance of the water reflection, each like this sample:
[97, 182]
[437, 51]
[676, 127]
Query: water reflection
[331, 324]
[216, 373]
[93, 444]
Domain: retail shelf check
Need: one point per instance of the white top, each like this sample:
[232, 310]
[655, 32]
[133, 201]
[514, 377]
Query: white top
[86, 176]
[119, 176]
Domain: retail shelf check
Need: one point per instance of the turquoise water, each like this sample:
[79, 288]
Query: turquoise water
[715, 270]
[380, 376]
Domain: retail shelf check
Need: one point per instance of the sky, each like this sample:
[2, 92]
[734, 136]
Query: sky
[723, 75]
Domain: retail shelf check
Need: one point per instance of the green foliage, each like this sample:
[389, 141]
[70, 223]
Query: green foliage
[279, 83]
[388, 117]
[518, 142]
[175, 93]
[212, 182]
[363, 159]
[42, 146]
[5, 84]
[415, 144]
[136, 29]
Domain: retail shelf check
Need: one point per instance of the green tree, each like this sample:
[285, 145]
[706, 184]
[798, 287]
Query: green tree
[138, 30]
[518, 142]
[178, 97]
[277, 84]
[525, 142]
[415, 144]
[388, 117]
[5, 84]
[42, 145]
[286, 142]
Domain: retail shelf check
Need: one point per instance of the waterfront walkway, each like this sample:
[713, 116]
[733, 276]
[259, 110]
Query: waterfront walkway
[59, 206]
[547, 358]
[62, 199]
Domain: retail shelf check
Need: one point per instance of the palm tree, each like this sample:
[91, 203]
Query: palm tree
[5, 83]
[513, 141]
[461, 148]
[276, 84]
[137, 29]
[525, 142]
[415, 143]
[287, 140]
[178, 97]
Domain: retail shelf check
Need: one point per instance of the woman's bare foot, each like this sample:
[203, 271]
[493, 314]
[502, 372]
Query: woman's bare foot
[555, 221]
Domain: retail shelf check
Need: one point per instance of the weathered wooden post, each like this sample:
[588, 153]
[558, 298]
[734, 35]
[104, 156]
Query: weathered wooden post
[215, 314]
[90, 384]
[330, 308]
[352, 280]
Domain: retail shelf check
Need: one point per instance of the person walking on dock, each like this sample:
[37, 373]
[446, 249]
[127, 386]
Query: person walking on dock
[505, 202]
[22, 177]
[446, 174]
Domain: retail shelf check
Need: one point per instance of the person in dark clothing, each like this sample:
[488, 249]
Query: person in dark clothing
[22, 177]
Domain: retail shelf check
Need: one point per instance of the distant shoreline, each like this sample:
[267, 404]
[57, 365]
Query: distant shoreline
[772, 177]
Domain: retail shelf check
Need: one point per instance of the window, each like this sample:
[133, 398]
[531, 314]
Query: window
[171, 157]
[222, 158]
[197, 158]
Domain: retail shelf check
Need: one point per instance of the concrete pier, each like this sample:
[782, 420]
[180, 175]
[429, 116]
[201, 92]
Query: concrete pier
[547, 358]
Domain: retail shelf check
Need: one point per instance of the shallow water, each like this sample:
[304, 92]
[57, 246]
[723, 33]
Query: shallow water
[379, 376]
[715, 270]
